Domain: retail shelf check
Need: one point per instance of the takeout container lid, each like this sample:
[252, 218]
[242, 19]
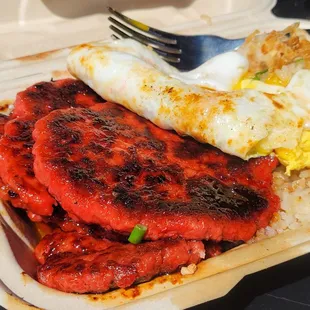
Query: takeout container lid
[31, 27]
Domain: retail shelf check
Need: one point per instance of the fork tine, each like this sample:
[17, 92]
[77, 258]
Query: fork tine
[162, 54]
[113, 36]
[144, 39]
[167, 58]
[119, 32]
[159, 35]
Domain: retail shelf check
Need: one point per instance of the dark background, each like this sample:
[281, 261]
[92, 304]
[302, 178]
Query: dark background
[286, 286]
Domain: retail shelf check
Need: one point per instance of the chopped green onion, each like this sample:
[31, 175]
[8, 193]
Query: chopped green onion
[259, 74]
[137, 234]
[298, 59]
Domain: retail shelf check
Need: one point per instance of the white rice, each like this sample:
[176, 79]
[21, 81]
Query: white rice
[190, 269]
[294, 193]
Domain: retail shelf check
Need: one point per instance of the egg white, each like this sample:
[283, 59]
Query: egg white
[132, 75]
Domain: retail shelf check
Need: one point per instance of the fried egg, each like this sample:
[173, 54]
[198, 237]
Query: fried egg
[246, 122]
[297, 92]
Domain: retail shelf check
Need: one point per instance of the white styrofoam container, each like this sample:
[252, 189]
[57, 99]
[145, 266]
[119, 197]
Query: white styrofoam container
[31, 27]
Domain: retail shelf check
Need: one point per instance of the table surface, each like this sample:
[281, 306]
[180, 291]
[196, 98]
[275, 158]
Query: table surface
[285, 286]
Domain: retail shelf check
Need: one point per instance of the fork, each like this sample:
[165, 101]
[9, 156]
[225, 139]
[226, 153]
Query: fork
[183, 52]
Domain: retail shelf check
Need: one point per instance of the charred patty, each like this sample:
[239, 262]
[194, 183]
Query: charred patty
[84, 264]
[108, 166]
[16, 157]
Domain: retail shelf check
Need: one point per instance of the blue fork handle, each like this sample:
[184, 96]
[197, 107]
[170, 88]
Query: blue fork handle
[215, 46]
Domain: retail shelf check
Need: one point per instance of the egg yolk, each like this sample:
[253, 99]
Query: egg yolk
[238, 85]
[294, 159]
[297, 158]
[273, 79]
[247, 81]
